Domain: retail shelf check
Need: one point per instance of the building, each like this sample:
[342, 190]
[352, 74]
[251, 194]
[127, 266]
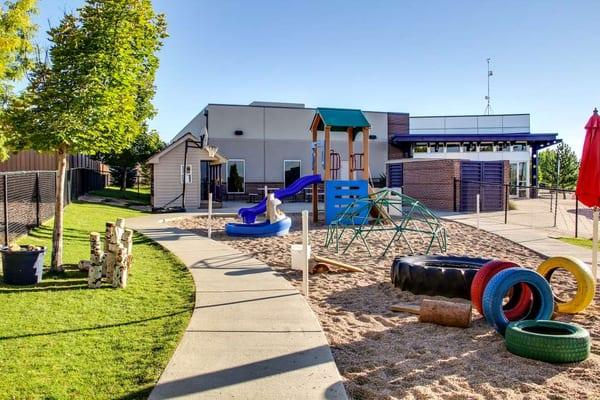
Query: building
[266, 143]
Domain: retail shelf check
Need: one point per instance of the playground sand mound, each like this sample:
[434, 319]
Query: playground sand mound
[387, 355]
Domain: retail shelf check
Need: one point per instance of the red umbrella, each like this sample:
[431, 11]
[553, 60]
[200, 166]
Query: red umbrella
[588, 183]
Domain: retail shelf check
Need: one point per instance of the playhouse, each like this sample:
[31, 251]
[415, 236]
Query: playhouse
[339, 193]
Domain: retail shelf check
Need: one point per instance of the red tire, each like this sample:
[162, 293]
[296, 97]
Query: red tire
[520, 300]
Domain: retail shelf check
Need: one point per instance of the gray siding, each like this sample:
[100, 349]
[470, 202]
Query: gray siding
[272, 135]
[167, 181]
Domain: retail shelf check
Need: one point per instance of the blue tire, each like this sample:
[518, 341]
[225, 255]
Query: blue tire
[493, 296]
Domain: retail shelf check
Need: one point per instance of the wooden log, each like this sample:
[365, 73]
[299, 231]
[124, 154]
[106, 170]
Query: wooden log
[84, 265]
[108, 237]
[405, 307]
[446, 313]
[95, 276]
[338, 264]
[121, 271]
[315, 267]
[127, 242]
[439, 312]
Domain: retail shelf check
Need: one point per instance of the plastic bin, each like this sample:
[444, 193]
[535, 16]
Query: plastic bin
[297, 262]
[23, 267]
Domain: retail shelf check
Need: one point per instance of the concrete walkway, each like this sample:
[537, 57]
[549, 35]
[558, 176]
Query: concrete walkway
[251, 335]
[535, 239]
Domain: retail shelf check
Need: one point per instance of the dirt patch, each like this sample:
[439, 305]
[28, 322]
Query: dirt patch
[387, 355]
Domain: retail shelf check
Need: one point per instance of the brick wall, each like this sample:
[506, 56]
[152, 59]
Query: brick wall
[432, 182]
[398, 124]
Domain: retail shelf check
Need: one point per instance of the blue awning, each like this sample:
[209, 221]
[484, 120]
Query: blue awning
[546, 139]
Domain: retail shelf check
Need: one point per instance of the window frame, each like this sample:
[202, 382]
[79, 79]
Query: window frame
[243, 175]
[487, 144]
[458, 145]
[420, 144]
[299, 167]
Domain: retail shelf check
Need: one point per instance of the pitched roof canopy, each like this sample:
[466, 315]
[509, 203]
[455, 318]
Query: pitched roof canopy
[340, 119]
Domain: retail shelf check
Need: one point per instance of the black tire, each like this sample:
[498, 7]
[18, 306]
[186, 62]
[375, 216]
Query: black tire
[436, 275]
[550, 341]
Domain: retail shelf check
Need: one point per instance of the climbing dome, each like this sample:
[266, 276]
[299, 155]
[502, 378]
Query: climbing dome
[386, 211]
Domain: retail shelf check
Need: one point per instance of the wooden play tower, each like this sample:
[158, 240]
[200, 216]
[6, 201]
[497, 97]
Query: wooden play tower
[351, 122]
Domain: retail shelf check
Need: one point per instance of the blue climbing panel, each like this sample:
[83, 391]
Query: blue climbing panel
[340, 194]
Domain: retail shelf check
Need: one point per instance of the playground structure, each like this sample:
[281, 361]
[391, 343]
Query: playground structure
[350, 123]
[338, 193]
[386, 211]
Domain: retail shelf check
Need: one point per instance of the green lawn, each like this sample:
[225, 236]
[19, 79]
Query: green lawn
[578, 242]
[131, 194]
[61, 340]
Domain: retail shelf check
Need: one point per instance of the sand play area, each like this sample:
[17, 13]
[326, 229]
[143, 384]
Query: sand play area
[387, 355]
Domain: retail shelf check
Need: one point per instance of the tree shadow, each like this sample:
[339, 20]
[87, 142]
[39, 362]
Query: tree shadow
[96, 327]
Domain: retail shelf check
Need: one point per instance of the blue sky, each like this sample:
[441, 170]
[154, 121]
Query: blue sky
[425, 58]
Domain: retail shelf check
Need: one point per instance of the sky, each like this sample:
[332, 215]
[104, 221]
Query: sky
[424, 58]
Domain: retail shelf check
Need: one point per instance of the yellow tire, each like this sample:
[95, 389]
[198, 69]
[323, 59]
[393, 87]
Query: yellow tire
[586, 287]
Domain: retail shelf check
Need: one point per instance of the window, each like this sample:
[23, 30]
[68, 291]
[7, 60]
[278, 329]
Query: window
[503, 146]
[437, 147]
[453, 148]
[188, 174]
[236, 176]
[420, 148]
[486, 147]
[520, 146]
[291, 171]
[470, 147]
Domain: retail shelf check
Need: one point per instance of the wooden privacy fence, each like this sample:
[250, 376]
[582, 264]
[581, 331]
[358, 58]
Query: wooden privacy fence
[27, 198]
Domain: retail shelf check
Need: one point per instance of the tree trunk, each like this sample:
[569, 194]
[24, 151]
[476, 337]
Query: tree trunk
[57, 235]
[124, 180]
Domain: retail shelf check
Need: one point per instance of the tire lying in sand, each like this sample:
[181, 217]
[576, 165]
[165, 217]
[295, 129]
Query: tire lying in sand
[550, 341]
[519, 302]
[542, 304]
[436, 275]
[586, 286]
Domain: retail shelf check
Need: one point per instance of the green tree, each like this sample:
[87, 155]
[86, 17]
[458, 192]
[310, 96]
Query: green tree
[569, 167]
[95, 93]
[16, 32]
[123, 164]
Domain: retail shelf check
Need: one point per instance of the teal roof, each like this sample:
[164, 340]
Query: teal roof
[340, 119]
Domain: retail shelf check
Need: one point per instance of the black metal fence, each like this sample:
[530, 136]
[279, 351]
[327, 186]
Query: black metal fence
[27, 198]
[554, 209]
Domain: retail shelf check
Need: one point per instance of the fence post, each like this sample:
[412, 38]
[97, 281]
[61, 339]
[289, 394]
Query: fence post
[5, 209]
[455, 208]
[506, 194]
[37, 199]
[576, 216]
[555, 206]
[477, 198]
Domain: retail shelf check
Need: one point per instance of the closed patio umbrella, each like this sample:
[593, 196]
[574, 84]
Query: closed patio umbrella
[588, 182]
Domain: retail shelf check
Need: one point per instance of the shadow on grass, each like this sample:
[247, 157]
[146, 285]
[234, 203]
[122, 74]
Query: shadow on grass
[70, 279]
[107, 326]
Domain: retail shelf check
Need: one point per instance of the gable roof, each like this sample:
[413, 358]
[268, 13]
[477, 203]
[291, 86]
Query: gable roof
[340, 119]
[155, 159]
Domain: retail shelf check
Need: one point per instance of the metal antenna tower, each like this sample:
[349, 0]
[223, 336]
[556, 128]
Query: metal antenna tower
[490, 73]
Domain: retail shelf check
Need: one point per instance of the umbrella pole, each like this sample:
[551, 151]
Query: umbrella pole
[595, 212]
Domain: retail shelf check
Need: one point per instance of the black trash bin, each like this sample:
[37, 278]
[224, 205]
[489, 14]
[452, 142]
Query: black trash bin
[22, 267]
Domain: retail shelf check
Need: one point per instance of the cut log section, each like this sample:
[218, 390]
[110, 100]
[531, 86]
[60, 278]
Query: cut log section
[338, 264]
[439, 312]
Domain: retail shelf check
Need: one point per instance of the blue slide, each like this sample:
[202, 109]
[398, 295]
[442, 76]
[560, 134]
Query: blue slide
[260, 229]
[249, 214]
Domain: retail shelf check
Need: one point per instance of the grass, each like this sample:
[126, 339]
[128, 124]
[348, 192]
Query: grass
[61, 340]
[131, 194]
[578, 242]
